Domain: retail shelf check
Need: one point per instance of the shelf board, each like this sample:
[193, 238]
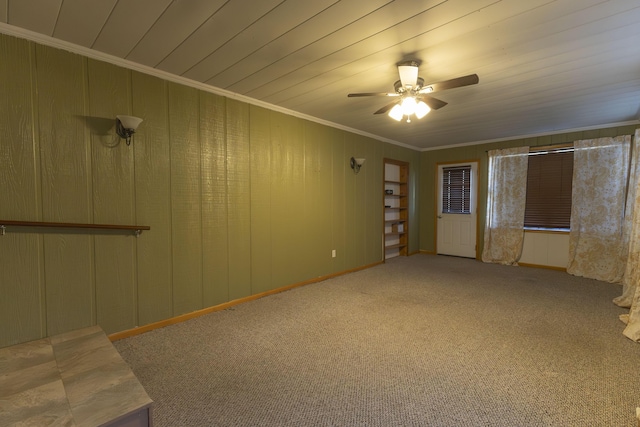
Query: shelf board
[397, 233]
[395, 221]
[398, 246]
[10, 223]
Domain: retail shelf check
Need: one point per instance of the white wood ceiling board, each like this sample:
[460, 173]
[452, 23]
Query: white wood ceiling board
[502, 44]
[498, 41]
[492, 123]
[128, 23]
[326, 22]
[458, 125]
[574, 56]
[177, 22]
[558, 87]
[4, 7]
[224, 25]
[275, 24]
[589, 64]
[385, 43]
[35, 15]
[80, 21]
[299, 62]
[369, 25]
[468, 50]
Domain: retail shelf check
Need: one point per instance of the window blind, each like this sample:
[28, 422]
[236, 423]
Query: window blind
[549, 181]
[456, 189]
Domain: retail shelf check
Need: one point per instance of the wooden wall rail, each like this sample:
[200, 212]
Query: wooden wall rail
[8, 223]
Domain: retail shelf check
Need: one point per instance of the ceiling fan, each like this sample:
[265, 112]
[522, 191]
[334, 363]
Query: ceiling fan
[412, 93]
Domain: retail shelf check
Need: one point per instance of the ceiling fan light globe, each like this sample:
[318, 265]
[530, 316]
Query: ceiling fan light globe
[396, 113]
[409, 106]
[422, 109]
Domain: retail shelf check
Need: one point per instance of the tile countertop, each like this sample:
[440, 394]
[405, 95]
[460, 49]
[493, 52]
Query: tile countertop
[73, 379]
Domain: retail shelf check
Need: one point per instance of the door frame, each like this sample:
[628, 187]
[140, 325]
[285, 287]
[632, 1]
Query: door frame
[475, 191]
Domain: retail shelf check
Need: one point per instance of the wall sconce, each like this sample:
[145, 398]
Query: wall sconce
[356, 164]
[126, 126]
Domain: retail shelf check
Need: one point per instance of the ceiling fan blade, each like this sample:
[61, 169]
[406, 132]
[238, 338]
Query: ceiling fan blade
[386, 108]
[471, 79]
[352, 95]
[433, 103]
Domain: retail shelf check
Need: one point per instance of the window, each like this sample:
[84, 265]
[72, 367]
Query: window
[549, 179]
[456, 189]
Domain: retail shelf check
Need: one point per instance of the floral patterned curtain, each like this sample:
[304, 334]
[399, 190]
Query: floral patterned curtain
[631, 291]
[598, 242]
[506, 200]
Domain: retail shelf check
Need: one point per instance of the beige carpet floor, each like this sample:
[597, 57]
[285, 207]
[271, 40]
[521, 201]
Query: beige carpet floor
[418, 341]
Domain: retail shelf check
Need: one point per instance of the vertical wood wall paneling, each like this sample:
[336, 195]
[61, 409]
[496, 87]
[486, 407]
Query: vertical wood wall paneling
[317, 199]
[215, 275]
[340, 172]
[414, 191]
[287, 178]
[239, 198]
[294, 141]
[186, 196]
[22, 310]
[262, 168]
[186, 212]
[281, 246]
[350, 250]
[373, 189]
[153, 198]
[113, 197]
[66, 188]
[361, 233]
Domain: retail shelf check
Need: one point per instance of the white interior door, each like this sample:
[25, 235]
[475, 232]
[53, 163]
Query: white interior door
[457, 213]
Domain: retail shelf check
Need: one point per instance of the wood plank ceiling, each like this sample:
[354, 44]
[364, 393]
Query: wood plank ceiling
[544, 65]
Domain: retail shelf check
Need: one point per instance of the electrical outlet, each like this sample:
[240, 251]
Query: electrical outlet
[333, 253]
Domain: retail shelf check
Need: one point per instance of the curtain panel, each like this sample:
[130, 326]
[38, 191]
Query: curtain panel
[631, 291]
[599, 239]
[506, 200]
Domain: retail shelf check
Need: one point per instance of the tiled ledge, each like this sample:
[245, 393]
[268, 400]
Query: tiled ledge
[73, 379]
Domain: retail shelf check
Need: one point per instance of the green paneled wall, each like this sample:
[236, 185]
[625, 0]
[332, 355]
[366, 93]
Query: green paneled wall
[240, 199]
[430, 159]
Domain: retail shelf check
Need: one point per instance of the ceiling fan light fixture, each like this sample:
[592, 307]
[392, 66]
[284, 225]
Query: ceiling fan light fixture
[422, 110]
[409, 105]
[396, 113]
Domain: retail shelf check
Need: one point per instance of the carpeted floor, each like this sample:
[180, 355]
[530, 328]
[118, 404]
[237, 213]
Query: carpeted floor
[418, 341]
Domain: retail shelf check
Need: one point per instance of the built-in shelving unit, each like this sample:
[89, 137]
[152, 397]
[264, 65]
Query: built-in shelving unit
[396, 208]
